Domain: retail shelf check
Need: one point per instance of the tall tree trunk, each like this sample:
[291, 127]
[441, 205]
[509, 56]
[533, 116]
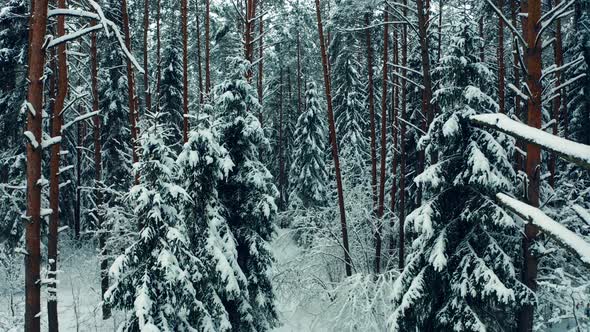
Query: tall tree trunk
[98, 199]
[248, 33]
[394, 135]
[184, 13]
[423, 19]
[130, 85]
[531, 28]
[261, 54]
[159, 54]
[199, 59]
[559, 101]
[52, 240]
[332, 127]
[146, 77]
[371, 110]
[402, 140]
[36, 64]
[501, 67]
[207, 49]
[381, 208]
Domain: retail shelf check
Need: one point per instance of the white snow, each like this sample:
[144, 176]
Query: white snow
[563, 235]
[570, 150]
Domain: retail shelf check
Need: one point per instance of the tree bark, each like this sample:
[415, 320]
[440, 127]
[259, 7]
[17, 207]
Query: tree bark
[130, 85]
[159, 54]
[52, 240]
[36, 64]
[199, 59]
[501, 67]
[332, 127]
[557, 102]
[281, 145]
[423, 19]
[98, 199]
[394, 135]
[533, 63]
[371, 110]
[402, 177]
[146, 77]
[381, 208]
[482, 53]
[184, 14]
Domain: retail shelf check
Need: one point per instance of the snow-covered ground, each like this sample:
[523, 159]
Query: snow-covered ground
[300, 309]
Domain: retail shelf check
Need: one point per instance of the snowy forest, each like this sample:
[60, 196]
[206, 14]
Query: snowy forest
[294, 165]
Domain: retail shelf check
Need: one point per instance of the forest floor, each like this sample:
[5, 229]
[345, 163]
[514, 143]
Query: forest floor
[79, 293]
[301, 307]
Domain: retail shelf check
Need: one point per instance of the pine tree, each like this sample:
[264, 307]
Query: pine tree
[249, 197]
[461, 275]
[156, 276]
[308, 171]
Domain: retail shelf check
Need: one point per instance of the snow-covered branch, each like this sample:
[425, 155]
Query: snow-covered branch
[74, 35]
[78, 119]
[568, 239]
[569, 150]
[518, 92]
[507, 22]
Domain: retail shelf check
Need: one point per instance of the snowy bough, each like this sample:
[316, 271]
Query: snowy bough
[461, 275]
[249, 197]
[155, 278]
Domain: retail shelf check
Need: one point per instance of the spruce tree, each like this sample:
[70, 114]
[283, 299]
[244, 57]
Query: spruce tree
[155, 277]
[171, 89]
[461, 275]
[249, 198]
[308, 171]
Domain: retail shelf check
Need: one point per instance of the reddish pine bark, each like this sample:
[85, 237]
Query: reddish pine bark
[36, 64]
[501, 67]
[184, 14]
[130, 85]
[423, 19]
[333, 141]
[52, 239]
[371, 110]
[260, 56]
[533, 63]
[381, 208]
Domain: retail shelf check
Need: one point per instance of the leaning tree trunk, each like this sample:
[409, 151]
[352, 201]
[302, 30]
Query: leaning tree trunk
[531, 28]
[333, 141]
[381, 208]
[36, 65]
[52, 239]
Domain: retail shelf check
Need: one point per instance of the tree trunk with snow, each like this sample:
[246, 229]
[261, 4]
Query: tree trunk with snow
[333, 141]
